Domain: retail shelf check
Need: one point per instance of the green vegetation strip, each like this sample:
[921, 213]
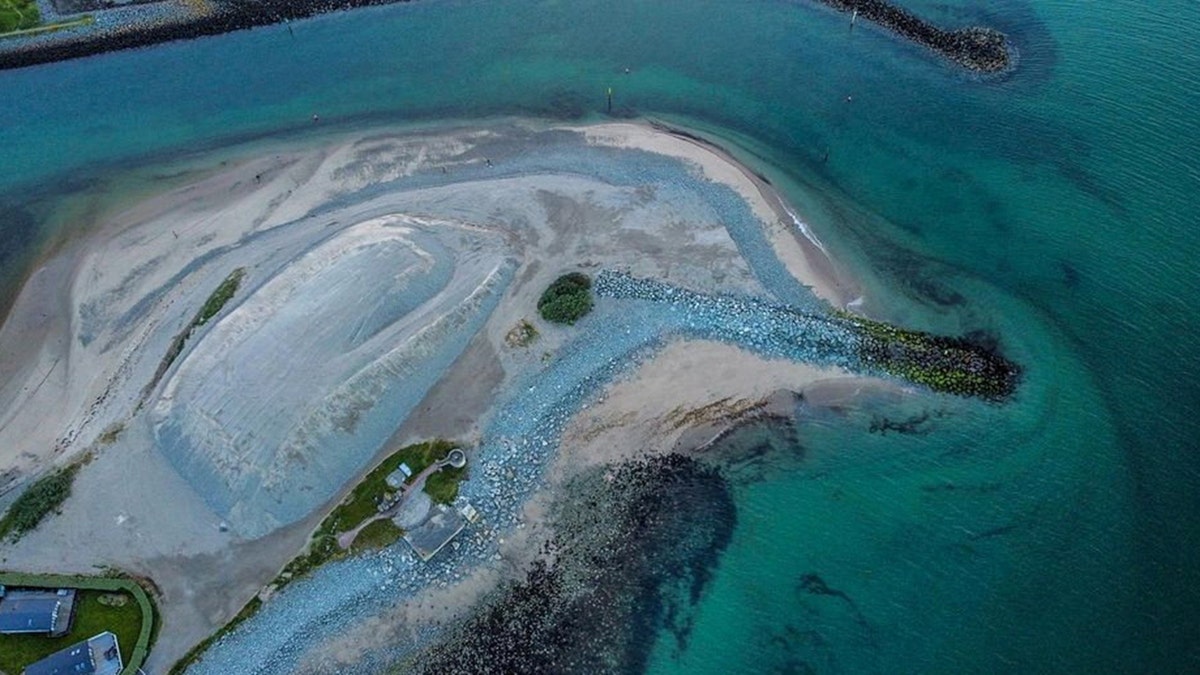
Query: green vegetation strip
[379, 534]
[360, 504]
[566, 300]
[38, 501]
[86, 20]
[222, 295]
[357, 507]
[92, 617]
[194, 653]
[18, 15]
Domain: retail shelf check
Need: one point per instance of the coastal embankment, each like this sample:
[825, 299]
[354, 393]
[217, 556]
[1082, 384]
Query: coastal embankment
[975, 48]
[134, 28]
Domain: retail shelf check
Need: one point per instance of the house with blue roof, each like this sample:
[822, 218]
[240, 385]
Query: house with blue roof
[98, 656]
[25, 611]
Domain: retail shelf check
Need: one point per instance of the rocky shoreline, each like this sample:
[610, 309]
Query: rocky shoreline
[634, 549]
[220, 17]
[979, 49]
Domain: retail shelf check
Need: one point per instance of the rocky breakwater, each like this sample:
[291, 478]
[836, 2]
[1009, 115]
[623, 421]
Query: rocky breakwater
[634, 549]
[138, 25]
[964, 366]
[969, 366]
[975, 48]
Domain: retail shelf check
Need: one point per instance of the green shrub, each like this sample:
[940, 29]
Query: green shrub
[43, 497]
[219, 297]
[566, 300]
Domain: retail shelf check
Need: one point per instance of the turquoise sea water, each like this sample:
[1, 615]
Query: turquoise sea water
[1054, 207]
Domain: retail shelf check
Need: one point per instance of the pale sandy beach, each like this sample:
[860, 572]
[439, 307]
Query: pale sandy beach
[368, 317]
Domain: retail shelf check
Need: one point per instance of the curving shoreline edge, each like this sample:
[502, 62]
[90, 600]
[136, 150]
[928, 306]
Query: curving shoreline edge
[976, 48]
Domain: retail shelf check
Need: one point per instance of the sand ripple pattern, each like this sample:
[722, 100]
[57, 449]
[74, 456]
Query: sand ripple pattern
[292, 391]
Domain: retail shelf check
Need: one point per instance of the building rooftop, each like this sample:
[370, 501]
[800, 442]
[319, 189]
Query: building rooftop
[36, 611]
[397, 478]
[99, 655]
[442, 525]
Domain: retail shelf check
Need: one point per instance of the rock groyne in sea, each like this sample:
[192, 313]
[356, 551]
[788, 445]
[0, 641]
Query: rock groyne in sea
[975, 48]
[979, 49]
[155, 28]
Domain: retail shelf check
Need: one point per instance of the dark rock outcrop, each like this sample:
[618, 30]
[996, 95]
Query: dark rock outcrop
[634, 550]
[227, 16]
[979, 49]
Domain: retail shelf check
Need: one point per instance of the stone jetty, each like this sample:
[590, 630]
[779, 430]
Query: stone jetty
[975, 48]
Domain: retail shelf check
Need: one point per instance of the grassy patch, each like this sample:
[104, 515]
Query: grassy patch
[220, 296]
[522, 335]
[566, 300]
[38, 501]
[360, 504]
[18, 15]
[377, 535]
[95, 612]
[442, 487]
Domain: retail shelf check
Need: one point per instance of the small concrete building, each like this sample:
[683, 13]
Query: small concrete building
[25, 611]
[399, 477]
[469, 512]
[98, 656]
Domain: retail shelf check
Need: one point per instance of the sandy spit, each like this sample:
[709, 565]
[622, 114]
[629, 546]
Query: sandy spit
[89, 328]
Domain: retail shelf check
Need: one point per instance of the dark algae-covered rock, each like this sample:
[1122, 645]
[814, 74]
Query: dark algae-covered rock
[965, 366]
[634, 549]
[975, 48]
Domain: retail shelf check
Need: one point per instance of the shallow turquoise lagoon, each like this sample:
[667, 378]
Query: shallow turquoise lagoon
[1054, 207]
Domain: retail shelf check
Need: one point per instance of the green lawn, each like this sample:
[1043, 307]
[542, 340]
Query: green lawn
[360, 504]
[18, 15]
[91, 618]
[377, 535]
